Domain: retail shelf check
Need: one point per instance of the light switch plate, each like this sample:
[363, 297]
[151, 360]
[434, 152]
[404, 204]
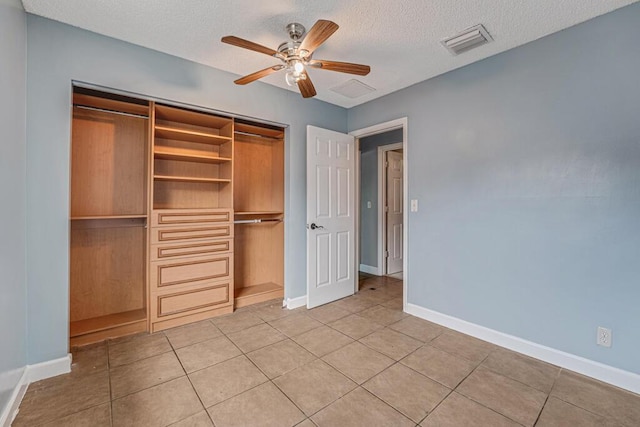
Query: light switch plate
[414, 205]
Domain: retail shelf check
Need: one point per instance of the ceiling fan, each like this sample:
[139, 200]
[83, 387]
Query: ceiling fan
[296, 56]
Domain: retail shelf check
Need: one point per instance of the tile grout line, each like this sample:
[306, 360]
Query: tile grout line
[570, 403]
[389, 403]
[108, 346]
[473, 400]
[272, 380]
[451, 391]
[189, 379]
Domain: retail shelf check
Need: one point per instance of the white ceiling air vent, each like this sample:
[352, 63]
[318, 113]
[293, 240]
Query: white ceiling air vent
[353, 89]
[467, 40]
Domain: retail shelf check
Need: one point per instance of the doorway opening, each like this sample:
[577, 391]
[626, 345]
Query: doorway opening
[381, 187]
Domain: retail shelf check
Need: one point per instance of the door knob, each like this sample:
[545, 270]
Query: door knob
[313, 226]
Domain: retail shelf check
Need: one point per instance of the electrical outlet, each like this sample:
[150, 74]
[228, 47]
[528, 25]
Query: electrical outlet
[369, 204]
[604, 337]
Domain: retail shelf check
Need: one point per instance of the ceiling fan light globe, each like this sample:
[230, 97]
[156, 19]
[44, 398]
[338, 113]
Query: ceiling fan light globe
[298, 67]
[291, 79]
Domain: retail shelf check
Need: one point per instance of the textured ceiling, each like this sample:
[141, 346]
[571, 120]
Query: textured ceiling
[400, 40]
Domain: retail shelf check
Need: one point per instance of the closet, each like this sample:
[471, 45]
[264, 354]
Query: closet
[108, 239]
[258, 200]
[176, 215]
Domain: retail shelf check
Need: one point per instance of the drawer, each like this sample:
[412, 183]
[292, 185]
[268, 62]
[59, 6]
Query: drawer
[162, 217]
[172, 273]
[190, 233]
[176, 250]
[191, 300]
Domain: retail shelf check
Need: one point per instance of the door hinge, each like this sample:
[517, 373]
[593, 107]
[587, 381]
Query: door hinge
[386, 164]
[386, 208]
[386, 254]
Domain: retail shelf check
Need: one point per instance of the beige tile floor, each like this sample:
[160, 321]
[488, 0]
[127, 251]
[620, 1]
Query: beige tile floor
[359, 361]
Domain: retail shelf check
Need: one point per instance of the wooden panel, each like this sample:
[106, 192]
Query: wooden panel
[191, 233]
[164, 217]
[108, 164]
[79, 223]
[196, 118]
[184, 195]
[258, 175]
[106, 271]
[191, 271]
[186, 169]
[187, 155]
[159, 252]
[277, 133]
[168, 132]
[110, 104]
[192, 299]
[258, 214]
[258, 254]
[257, 293]
[183, 178]
[113, 332]
[97, 324]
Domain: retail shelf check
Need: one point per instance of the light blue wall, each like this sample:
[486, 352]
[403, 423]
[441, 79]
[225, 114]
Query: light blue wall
[13, 279]
[527, 169]
[369, 192]
[57, 55]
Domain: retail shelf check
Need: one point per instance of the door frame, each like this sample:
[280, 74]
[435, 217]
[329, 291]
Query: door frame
[382, 202]
[401, 123]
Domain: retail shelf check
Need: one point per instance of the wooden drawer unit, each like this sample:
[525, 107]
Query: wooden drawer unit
[191, 300]
[181, 250]
[172, 217]
[173, 273]
[190, 233]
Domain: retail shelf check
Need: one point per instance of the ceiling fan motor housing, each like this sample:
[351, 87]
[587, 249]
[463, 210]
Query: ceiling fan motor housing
[295, 30]
[289, 48]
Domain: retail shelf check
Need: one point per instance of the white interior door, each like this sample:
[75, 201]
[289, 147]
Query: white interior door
[331, 272]
[394, 212]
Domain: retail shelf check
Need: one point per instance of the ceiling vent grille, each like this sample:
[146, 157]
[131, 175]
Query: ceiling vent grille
[353, 89]
[467, 40]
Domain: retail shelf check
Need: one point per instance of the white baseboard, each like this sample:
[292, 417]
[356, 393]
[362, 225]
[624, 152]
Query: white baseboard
[617, 377]
[30, 374]
[369, 269]
[11, 410]
[48, 369]
[292, 303]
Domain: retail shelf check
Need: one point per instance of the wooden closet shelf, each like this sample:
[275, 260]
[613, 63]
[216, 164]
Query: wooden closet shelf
[244, 128]
[102, 323]
[83, 100]
[191, 117]
[190, 135]
[253, 213]
[92, 217]
[247, 295]
[189, 179]
[171, 153]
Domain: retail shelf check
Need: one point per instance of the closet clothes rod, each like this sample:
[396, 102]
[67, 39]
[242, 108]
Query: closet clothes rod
[256, 135]
[103, 110]
[256, 221]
